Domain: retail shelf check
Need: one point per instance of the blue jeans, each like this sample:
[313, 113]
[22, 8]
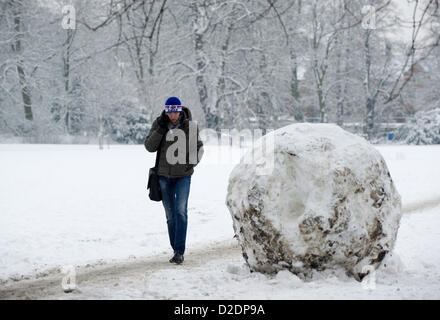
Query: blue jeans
[175, 193]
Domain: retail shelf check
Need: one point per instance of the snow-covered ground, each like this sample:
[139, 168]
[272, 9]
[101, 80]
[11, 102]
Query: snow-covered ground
[77, 205]
[416, 172]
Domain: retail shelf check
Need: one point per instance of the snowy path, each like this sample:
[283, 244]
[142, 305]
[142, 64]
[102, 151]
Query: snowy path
[421, 205]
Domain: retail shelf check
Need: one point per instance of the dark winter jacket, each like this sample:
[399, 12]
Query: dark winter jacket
[157, 137]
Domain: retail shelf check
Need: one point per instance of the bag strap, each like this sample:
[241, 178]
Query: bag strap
[157, 154]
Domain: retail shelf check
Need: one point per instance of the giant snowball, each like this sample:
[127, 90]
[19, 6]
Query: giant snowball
[326, 201]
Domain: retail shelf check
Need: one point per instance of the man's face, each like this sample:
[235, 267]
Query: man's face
[173, 116]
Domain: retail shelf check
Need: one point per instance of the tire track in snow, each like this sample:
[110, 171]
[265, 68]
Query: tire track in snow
[421, 205]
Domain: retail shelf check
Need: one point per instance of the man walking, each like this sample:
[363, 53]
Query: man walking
[177, 159]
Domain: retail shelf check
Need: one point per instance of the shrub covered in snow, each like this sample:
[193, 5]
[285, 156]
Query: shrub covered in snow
[329, 201]
[127, 124]
[424, 128]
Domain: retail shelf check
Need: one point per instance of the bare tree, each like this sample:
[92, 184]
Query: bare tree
[16, 8]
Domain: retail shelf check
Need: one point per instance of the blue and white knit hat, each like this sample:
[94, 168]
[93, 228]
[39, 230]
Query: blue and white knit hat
[173, 104]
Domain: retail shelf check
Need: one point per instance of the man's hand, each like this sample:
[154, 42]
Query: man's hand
[163, 120]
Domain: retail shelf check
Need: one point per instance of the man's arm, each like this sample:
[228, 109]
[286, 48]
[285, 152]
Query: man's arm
[154, 137]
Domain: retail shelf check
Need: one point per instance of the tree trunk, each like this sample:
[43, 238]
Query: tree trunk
[294, 88]
[200, 26]
[339, 94]
[226, 117]
[17, 48]
[370, 101]
[66, 76]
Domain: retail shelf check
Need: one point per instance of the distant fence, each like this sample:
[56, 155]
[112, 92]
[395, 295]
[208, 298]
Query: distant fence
[383, 130]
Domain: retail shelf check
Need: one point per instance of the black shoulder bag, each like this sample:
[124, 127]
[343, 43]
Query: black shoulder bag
[153, 181]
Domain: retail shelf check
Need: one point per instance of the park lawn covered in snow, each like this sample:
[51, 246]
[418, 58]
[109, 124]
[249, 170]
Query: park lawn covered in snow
[76, 205]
